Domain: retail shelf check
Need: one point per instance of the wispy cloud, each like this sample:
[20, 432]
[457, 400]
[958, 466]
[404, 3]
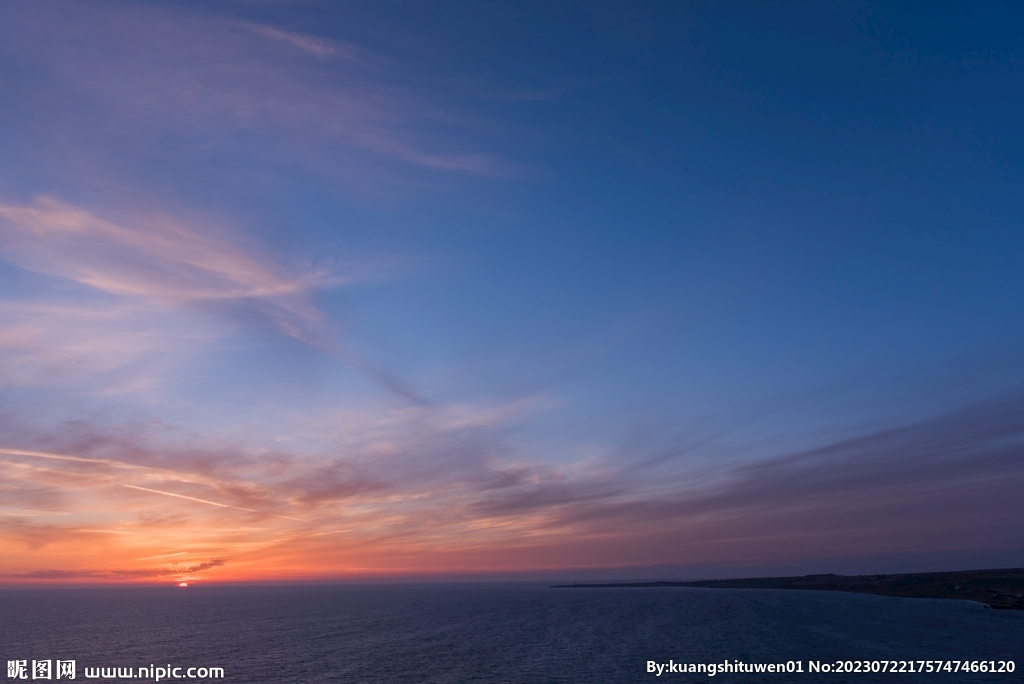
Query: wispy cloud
[158, 71]
[150, 296]
[171, 290]
[157, 260]
[317, 46]
[944, 482]
[459, 492]
[175, 571]
[97, 346]
[204, 501]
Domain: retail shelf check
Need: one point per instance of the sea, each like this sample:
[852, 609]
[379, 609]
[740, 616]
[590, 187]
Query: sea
[519, 633]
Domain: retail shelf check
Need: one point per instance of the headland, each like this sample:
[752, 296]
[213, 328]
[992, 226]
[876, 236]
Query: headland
[1001, 589]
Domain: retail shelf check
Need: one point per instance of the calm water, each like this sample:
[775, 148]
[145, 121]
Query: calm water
[520, 633]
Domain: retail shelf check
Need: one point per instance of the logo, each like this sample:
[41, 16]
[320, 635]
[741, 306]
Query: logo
[41, 669]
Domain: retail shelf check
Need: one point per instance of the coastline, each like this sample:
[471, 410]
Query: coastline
[1001, 589]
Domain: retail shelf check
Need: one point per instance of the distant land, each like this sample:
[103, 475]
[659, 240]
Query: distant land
[1002, 589]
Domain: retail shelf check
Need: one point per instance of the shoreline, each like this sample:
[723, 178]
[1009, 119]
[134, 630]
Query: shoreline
[999, 589]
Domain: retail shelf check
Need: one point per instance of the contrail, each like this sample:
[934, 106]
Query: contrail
[166, 555]
[121, 464]
[205, 501]
[63, 457]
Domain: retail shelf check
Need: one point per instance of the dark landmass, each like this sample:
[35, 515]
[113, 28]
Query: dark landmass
[1003, 589]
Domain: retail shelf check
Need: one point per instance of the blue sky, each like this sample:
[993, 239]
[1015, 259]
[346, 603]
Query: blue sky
[420, 288]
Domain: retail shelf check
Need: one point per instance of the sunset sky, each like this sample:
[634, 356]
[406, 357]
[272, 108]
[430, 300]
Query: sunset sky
[327, 290]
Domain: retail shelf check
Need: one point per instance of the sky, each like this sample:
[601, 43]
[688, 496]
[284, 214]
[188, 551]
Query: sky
[320, 290]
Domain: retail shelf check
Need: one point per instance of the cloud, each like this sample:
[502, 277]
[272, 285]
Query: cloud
[158, 71]
[948, 482]
[172, 289]
[96, 345]
[153, 261]
[447, 482]
[152, 295]
[140, 94]
[445, 485]
[317, 46]
[121, 574]
[204, 501]
[383, 485]
[156, 260]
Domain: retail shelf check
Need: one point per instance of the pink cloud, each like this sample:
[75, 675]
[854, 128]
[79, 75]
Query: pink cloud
[156, 259]
[429, 493]
[156, 70]
[317, 46]
[152, 260]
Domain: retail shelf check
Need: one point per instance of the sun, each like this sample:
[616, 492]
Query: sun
[183, 584]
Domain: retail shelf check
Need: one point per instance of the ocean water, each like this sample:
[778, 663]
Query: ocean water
[509, 633]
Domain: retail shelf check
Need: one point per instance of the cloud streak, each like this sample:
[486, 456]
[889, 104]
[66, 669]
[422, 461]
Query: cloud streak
[303, 41]
[160, 261]
[172, 290]
[416, 492]
[182, 573]
[164, 71]
[204, 501]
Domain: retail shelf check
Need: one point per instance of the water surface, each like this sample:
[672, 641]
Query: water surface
[514, 633]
